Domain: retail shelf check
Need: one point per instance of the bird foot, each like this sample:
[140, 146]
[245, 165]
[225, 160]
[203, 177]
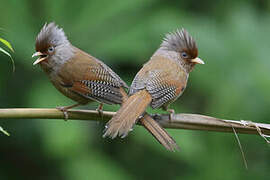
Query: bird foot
[172, 112]
[64, 110]
[99, 110]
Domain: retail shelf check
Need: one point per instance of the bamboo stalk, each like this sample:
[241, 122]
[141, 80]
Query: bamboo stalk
[175, 121]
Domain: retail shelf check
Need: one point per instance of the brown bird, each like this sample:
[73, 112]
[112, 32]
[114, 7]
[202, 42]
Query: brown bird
[80, 76]
[160, 82]
[76, 74]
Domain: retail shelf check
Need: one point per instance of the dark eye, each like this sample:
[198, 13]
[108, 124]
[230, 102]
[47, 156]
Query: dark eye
[51, 49]
[184, 55]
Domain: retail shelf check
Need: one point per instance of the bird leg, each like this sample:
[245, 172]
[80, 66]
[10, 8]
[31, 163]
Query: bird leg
[65, 108]
[99, 109]
[171, 111]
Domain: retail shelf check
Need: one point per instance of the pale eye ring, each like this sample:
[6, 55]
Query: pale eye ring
[184, 55]
[51, 49]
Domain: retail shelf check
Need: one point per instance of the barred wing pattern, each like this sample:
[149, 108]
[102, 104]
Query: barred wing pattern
[100, 85]
[163, 78]
[94, 80]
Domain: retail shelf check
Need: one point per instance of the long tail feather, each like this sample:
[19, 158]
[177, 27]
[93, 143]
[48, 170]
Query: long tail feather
[159, 133]
[123, 121]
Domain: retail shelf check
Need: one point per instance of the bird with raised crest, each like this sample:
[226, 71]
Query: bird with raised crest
[76, 74]
[159, 82]
[80, 76]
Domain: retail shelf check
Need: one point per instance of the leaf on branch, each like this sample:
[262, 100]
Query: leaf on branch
[6, 43]
[6, 53]
[4, 131]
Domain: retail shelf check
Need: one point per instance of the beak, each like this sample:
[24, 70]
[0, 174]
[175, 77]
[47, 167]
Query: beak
[197, 61]
[40, 58]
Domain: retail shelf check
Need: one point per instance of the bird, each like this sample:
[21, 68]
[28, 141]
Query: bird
[82, 77]
[158, 83]
[76, 74]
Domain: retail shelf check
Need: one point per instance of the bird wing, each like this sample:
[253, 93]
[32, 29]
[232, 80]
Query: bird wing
[92, 79]
[163, 78]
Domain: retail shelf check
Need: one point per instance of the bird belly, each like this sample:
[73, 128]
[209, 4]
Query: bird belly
[68, 93]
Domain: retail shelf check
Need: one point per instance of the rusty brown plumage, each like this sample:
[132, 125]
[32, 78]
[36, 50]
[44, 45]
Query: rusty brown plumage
[159, 133]
[91, 79]
[134, 107]
[76, 74]
[160, 82]
[137, 104]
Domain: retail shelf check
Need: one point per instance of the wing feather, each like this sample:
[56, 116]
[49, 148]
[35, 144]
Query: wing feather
[92, 79]
[163, 78]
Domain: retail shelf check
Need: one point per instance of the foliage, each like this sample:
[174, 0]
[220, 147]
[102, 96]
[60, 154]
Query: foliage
[4, 131]
[8, 45]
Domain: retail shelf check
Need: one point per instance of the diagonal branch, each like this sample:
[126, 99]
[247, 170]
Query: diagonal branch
[176, 121]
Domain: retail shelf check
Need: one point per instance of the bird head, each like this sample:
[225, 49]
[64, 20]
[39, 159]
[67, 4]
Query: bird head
[181, 42]
[51, 44]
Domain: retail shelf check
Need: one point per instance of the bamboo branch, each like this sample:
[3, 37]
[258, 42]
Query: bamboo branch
[175, 121]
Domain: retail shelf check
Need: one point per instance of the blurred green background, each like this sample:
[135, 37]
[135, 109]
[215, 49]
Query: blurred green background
[233, 39]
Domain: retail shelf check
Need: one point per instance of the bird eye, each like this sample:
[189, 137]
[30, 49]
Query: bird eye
[51, 49]
[184, 55]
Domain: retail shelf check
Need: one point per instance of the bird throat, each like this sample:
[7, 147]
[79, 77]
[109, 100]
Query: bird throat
[54, 62]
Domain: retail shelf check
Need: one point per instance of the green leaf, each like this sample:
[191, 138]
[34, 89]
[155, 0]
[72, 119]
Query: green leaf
[5, 42]
[4, 131]
[5, 52]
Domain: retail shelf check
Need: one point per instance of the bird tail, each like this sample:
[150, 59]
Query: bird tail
[132, 108]
[124, 119]
[159, 133]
